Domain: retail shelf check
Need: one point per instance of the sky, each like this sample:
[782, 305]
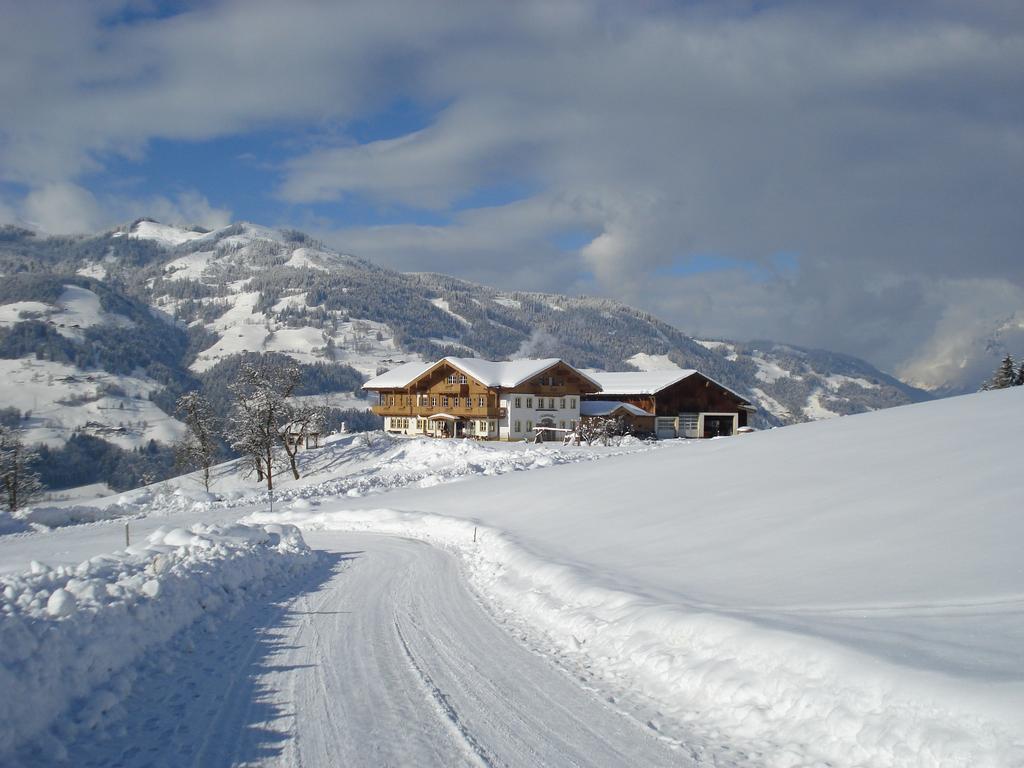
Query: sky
[847, 176]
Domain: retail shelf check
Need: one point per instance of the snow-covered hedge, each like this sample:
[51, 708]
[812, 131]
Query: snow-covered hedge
[65, 633]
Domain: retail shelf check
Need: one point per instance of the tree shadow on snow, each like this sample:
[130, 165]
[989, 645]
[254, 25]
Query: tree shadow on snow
[217, 694]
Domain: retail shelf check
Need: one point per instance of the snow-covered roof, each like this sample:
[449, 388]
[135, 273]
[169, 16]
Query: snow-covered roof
[505, 374]
[398, 377]
[638, 382]
[608, 407]
[647, 382]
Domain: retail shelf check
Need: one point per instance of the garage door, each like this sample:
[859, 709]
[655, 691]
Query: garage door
[665, 427]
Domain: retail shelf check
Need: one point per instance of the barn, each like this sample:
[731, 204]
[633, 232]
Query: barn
[681, 403]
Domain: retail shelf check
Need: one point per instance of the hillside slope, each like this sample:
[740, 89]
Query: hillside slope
[247, 288]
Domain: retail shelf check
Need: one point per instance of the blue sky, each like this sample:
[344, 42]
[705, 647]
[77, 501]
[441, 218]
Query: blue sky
[810, 172]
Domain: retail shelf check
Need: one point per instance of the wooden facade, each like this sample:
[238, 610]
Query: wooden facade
[693, 406]
[447, 400]
[522, 399]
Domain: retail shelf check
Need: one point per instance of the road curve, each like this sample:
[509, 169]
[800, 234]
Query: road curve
[384, 659]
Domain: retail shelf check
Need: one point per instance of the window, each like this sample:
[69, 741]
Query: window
[469, 403]
[433, 401]
[529, 402]
[561, 424]
[572, 402]
[482, 401]
[444, 401]
[519, 426]
[551, 403]
[529, 426]
[455, 402]
[519, 402]
[563, 404]
[462, 378]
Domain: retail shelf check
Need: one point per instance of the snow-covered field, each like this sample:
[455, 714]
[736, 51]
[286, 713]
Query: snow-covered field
[347, 467]
[76, 308]
[841, 593]
[63, 398]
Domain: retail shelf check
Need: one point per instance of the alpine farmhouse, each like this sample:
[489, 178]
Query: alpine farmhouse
[545, 399]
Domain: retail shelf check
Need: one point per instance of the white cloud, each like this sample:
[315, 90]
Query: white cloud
[187, 208]
[7, 213]
[883, 144]
[62, 208]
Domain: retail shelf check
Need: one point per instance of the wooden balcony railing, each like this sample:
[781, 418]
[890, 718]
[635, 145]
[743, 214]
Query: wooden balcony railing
[425, 411]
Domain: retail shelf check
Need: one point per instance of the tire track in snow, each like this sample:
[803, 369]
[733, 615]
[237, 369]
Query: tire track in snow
[444, 706]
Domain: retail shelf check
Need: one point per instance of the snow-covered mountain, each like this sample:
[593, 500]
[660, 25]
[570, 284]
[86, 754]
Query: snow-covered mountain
[99, 333]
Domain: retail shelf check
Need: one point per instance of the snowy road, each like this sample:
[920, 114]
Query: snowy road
[383, 658]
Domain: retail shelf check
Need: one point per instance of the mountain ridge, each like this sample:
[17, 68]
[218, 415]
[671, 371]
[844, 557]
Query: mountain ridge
[247, 289]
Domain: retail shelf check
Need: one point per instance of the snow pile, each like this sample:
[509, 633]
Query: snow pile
[67, 633]
[836, 593]
[145, 502]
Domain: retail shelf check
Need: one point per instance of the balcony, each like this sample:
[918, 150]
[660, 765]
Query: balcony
[425, 411]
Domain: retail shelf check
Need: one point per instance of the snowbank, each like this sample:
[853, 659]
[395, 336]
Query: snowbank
[66, 633]
[839, 593]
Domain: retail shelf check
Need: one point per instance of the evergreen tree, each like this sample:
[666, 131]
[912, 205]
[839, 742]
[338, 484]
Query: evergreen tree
[1019, 381]
[19, 484]
[1005, 375]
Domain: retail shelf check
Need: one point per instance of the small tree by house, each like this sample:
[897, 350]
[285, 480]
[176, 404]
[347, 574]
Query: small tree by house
[305, 420]
[198, 449]
[1019, 381]
[602, 429]
[19, 484]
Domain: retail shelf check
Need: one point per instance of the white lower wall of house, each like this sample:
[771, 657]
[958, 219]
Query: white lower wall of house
[521, 421]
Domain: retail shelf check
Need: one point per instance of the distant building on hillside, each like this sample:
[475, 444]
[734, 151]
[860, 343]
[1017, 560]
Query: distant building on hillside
[545, 399]
[679, 403]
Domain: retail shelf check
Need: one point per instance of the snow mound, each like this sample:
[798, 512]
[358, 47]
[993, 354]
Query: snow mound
[67, 633]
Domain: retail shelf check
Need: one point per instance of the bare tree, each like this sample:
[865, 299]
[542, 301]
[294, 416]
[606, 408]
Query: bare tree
[199, 447]
[304, 421]
[262, 413]
[18, 482]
